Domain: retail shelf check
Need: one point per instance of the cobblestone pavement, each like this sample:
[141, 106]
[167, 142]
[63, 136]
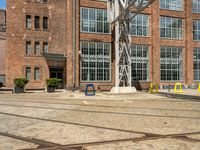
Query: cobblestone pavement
[72, 121]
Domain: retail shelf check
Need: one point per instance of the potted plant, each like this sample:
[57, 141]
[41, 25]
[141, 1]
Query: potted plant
[52, 84]
[20, 84]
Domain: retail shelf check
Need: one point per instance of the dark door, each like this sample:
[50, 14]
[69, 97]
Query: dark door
[56, 72]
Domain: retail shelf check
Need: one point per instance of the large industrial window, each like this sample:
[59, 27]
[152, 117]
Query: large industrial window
[196, 30]
[95, 62]
[140, 62]
[171, 28]
[94, 20]
[172, 4]
[140, 25]
[196, 64]
[171, 63]
[196, 6]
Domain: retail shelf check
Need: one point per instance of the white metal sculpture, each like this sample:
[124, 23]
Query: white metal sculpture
[120, 13]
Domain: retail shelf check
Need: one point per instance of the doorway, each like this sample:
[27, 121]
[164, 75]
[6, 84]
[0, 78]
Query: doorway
[57, 72]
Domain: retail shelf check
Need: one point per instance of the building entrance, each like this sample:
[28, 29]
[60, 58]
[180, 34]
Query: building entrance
[57, 72]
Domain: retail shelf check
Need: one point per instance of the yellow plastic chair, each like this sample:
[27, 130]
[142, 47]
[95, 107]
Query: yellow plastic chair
[180, 90]
[151, 89]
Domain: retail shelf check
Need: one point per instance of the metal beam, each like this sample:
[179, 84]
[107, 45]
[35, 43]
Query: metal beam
[121, 18]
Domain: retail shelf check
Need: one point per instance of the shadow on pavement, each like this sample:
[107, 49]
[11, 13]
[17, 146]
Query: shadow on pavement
[180, 96]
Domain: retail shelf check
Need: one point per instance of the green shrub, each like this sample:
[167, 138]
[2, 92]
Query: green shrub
[20, 82]
[52, 82]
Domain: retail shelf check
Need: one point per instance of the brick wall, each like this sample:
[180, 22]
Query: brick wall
[2, 45]
[2, 53]
[17, 33]
[60, 37]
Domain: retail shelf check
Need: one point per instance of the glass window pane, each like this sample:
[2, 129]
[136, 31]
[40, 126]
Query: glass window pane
[28, 21]
[36, 74]
[94, 20]
[196, 66]
[140, 62]
[28, 73]
[171, 63]
[140, 25]
[172, 4]
[95, 61]
[196, 6]
[171, 28]
[28, 48]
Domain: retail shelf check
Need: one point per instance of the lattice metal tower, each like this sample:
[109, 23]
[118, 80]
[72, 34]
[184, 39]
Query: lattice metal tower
[120, 13]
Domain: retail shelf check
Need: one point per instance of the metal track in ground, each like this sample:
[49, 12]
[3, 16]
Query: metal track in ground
[94, 105]
[102, 112]
[84, 145]
[44, 145]
[78, 124]
[41, 144]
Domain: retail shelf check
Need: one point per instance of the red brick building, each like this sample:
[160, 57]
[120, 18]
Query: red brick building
[72, 40]
[2, 45]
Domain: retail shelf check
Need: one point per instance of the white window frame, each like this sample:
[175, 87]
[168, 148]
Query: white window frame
[94, 59]
[176, 5]
[196, 59]
[138, 58]
[169, 61]
[95, 22]
[140, 21]
[168, 21]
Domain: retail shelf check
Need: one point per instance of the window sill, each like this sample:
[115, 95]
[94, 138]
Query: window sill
[196, 40]
[95, 33]
[164, 38]
[141, 81]
[33, 29]
[196, 13]
[140, 36]
[37, 30]
[180, 11]
[96, 82]
[40, 3]
[32, 55]
[46, 30]
[171, 81]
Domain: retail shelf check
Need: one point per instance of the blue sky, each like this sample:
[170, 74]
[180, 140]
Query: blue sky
[2, 3]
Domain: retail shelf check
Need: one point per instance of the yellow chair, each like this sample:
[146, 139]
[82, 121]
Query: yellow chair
[180, 90]
[199, 88]
[151, 89]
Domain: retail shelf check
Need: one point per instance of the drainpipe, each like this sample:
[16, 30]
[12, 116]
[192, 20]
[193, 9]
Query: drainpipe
[74, 44]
